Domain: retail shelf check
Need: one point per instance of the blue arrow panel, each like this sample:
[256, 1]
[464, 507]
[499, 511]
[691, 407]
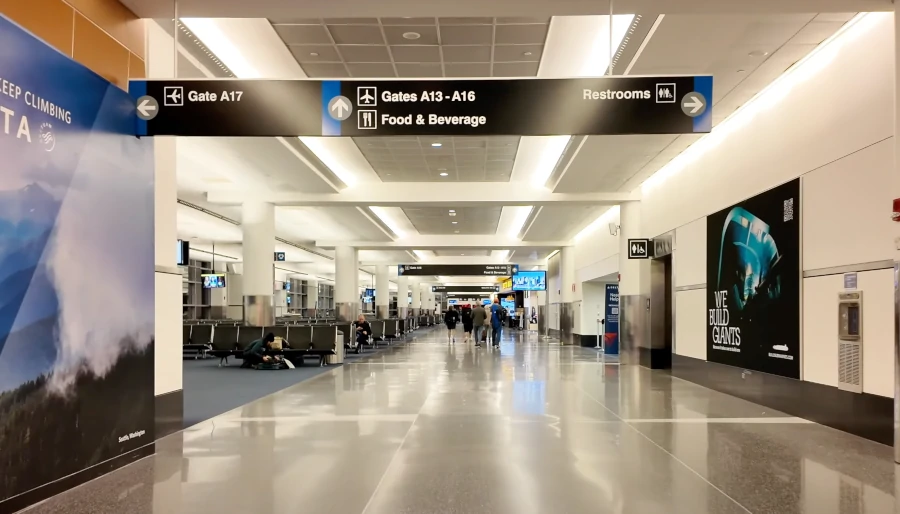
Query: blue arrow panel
[704, 86]
[330, 126]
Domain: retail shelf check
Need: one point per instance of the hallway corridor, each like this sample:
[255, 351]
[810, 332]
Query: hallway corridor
[426, 427]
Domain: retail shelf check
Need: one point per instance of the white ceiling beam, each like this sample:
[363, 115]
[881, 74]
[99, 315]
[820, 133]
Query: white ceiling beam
[440, 241]
[427, 194]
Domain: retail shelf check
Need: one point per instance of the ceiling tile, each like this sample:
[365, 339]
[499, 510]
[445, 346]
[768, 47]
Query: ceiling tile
[410, 53]
[407, 21]
[427, 35]
[356, 34]
[325, 70]
[515, 69]
[315, 53]
[419, 70]
[351, 21]
[364, 53]
[468, 70]
[303, 34]
[467, 35]
[466, 21]
[467, 54]
[372, 70]
[510, 53]
[521, 34]
[521, 19]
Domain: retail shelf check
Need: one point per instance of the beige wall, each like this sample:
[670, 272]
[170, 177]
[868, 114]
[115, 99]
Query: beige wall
[101, 34]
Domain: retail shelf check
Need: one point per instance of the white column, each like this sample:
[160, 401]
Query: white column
[424, 291]
[258, 247]
[416, 304]
[382, 292]
[402, 295]
[167, 350]
[346, 283]
[566, 294]
[312, 296]
[896, 254]
[634, 285]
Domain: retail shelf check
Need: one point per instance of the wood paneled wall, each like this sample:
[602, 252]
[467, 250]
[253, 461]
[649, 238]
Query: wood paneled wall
[101, 34]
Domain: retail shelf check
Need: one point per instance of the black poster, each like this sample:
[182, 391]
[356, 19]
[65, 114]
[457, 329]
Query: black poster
[753, 283]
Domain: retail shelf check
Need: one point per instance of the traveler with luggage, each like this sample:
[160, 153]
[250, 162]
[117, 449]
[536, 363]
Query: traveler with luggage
[255, 354]
[496, 322]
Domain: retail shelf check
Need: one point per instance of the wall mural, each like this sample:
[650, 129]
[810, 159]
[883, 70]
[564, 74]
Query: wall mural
[76, 268]
[753, 283]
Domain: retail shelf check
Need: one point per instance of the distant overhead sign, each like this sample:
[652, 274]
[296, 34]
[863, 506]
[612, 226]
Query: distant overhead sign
[528, 107]
[465, 289]
[469, 270]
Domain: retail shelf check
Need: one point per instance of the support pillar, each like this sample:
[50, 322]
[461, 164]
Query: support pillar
[168, 389]
[312, 297]
[346, 283]
[897, 254]
[259, 272]
[567, 295]
[382, 292]
[402, 295]
[634, 288]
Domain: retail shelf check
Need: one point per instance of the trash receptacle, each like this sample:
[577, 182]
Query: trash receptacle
[338, 357]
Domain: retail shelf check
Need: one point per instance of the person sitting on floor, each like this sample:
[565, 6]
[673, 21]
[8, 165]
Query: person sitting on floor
[255, 353]
[363, 330]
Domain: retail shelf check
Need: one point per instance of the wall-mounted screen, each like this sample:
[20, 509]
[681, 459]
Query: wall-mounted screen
[213, 280]
[288, 300]
[287, 285]
[530, 281]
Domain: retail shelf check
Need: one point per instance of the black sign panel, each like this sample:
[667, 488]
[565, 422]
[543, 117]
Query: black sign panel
[753, 283]
[279, 256]
[465, 289]
[469, 270]
[638, 248]
[528, 107]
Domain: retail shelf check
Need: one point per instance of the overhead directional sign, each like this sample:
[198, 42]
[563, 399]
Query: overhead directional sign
[470, 270]
[465, 289]
[528, 107]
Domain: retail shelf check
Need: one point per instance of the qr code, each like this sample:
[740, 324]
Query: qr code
[789, 210]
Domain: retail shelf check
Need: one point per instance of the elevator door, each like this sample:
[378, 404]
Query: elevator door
[660, 352]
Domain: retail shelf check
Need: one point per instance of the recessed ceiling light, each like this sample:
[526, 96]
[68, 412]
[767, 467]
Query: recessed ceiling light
[454, 222]
[451, 210]
[452, 214]
[314, 54]
[411, 35]
[456, 231]
[436, 145]
[526, 53]
[758, 53]
[444, 174]
[462, 254]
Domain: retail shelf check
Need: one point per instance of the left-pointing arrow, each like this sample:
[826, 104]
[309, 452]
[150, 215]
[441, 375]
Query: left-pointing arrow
[147, 107]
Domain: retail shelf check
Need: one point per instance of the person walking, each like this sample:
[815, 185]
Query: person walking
[496, 322]
[479, 316]
[450, 319]
[467, 323]
[485, 335]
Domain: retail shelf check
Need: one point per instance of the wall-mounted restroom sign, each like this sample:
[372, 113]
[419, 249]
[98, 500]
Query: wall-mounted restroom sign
[638, 248]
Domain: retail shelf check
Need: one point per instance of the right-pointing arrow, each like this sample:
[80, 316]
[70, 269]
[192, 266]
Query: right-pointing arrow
[695, 104]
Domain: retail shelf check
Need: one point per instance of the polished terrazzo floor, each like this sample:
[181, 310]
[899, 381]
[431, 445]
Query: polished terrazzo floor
[533, 427]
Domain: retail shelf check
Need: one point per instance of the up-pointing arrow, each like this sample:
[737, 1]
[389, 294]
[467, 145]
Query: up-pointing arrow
[340, 107]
